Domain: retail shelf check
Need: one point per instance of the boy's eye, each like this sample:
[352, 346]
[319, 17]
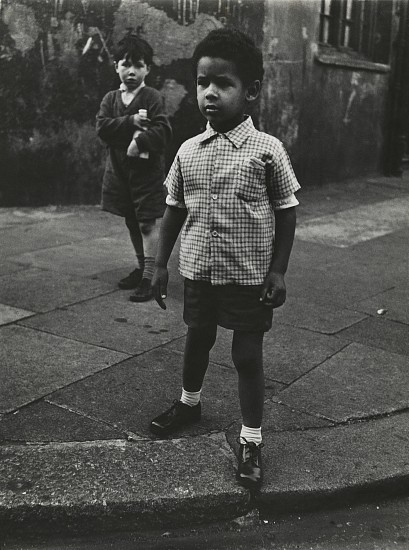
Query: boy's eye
[202, 82]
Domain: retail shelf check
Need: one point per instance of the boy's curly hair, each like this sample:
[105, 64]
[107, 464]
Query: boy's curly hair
[232, 45]
[134, 48]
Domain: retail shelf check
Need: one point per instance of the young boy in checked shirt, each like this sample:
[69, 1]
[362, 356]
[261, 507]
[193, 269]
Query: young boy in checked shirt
[231, 188]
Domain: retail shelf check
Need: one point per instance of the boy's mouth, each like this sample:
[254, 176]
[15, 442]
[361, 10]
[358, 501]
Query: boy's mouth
[211, 109]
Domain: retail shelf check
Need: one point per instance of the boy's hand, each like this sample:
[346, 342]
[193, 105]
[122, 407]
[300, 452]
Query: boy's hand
[160, 285]
[133, 149]
[274, 292]
[140, 121]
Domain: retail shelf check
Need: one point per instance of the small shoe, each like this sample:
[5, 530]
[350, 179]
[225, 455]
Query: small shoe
[143, 292]
[178, 416]
[250, 472]
[132, 280]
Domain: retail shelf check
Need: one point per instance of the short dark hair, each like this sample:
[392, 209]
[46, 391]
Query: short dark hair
[134, 48]
[233, 45]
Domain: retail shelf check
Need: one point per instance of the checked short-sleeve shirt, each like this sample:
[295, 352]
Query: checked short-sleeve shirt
[228, 184]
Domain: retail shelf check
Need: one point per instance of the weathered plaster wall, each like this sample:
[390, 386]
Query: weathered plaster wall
[55, 66]
[330, 118]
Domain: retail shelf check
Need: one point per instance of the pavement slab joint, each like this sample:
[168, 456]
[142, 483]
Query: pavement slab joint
[83, 371]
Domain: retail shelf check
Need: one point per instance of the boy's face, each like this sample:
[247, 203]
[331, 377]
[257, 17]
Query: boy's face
[132, 74]
[221, 94]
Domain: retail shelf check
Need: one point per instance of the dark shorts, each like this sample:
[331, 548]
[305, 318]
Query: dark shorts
[234, 307]
[145, 204]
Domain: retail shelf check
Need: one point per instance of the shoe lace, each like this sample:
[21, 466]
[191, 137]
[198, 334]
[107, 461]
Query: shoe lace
[252, 450]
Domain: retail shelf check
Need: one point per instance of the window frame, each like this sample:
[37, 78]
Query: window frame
[352, 28]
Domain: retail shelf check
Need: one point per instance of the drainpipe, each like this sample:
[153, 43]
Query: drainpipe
[397, 141]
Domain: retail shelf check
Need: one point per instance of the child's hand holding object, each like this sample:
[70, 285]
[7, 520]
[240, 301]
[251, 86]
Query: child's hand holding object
[133, 150]
[274, 291]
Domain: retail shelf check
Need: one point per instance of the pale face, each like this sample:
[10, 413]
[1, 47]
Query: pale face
[132, 74]
[221, 94]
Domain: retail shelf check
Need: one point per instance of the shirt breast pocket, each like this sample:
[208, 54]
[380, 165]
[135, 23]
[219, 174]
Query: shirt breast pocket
[251, 180]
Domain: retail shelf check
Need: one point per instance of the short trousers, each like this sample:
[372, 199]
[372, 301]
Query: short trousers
[235, 307]
[144, 206]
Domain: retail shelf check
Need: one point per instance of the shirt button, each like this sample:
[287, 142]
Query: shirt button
[214, 196]
[215, 234]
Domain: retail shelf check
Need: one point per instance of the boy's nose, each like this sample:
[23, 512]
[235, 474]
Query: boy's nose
[211, 92]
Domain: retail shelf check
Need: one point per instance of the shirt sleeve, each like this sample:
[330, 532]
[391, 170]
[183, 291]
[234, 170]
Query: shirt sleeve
[174, 185]
[280, 178]
[288, 202]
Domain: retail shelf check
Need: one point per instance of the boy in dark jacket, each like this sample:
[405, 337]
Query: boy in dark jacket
[133, 123]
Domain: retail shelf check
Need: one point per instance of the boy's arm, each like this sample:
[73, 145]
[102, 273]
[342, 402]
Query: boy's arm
[172, 223]
[115, 131]
[274, 292]
[159, 130]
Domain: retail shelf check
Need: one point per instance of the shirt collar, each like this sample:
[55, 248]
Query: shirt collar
[237, 136]
[123, 88]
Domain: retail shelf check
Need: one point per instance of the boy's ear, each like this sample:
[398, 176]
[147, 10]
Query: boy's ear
[253, 90]
[116, 66]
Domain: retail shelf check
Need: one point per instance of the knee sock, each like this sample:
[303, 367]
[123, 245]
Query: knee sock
[141, 261]
[250, 435]
[190, 398]
[148, 267]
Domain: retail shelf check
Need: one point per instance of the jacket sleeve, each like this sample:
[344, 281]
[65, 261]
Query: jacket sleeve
[115, 131]
[159, 132]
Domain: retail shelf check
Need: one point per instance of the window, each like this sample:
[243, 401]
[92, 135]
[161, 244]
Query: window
[360, 26]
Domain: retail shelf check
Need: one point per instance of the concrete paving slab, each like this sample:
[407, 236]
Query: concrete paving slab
[289, 352]
[325, 319]
[327, 288]
[357, 382]
[280, 418]
[333, 197]
[114, 322]
[33, 364]
[20, 216]
[9, 314]
[394, 304]
[363, 223]
[8, 268]
[40, 291]
[43, 422]
[21, 238]
[85, 258]
[60, 230]
[131, 394]
[380, 333]
[119, 484]
[336, 464]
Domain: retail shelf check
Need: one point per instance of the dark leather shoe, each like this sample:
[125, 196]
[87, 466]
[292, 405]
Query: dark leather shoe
[143, 292]
[250, 471]
[132, 280]
[178, 416]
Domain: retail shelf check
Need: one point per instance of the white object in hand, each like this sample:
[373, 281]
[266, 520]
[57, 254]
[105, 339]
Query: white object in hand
[143, 113]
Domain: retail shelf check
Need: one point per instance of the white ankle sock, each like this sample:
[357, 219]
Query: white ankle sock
[250, 435]
[190, 398]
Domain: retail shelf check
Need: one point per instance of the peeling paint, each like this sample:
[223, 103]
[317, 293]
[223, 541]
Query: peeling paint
[169, 40]
[22, 26]
[173, 94]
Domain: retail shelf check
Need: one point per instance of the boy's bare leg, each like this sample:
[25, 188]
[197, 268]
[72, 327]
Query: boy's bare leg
[149, 230]
[181, 414]
[135, 234]
[135, 277]
[247, 354]
[199, 342]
